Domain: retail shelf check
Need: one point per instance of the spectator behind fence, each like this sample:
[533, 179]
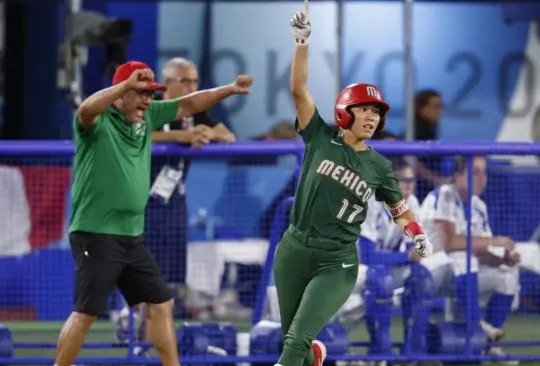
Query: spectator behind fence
[428, 108]
[391, 261]
[168, 221]
[494, 271]
[181, 77]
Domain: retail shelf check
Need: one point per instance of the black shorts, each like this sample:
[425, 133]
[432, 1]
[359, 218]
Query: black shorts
[104, 261]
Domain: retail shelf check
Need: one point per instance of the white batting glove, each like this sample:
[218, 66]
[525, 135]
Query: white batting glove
[422, 246]
[301, 28]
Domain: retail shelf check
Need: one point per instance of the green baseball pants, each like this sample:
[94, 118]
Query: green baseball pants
[313, 278]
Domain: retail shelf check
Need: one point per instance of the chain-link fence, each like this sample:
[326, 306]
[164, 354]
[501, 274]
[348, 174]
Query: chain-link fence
[214, 239]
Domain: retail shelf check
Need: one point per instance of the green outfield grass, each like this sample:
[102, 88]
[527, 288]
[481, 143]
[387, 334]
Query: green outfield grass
[518, 328]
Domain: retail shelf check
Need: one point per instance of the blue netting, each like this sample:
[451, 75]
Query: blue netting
[232, 195]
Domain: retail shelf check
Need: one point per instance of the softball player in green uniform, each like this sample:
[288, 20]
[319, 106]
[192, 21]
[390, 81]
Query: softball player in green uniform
[316, 263]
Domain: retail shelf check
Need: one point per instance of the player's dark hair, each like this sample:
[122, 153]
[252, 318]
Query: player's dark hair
[422, 98]
[459, 164]
[399, 163]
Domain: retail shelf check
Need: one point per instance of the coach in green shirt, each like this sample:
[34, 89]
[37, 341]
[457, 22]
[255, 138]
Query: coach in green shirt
[110, 189]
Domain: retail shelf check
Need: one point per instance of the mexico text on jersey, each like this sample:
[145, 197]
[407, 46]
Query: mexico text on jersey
[336, 183]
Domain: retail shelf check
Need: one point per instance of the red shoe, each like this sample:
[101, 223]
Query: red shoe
[319, 350]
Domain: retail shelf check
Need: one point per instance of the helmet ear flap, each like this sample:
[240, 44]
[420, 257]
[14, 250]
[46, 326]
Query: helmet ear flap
[343, 116]
[350, 115]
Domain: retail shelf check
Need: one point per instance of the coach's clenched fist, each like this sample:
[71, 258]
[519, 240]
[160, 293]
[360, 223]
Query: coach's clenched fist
[140, 79]
[241, 84]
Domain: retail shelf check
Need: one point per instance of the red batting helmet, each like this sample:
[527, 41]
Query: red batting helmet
[358, 94]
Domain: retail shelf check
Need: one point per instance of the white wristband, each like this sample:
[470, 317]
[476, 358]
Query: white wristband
[399, 209]
[301, 41]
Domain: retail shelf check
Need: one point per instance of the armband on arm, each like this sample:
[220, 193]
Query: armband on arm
[413, 229]
[422, 246]
[399, 209]
[403, 216]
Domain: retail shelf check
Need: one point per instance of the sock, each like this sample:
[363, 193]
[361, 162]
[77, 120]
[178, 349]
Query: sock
[498, 309]
[468, 303]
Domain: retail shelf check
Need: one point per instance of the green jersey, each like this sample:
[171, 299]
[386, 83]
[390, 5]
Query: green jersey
[336, 183]
[111, 170]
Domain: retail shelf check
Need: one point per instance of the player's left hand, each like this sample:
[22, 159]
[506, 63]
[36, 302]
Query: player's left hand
[422, 246]
[242, 84]
[511, 258]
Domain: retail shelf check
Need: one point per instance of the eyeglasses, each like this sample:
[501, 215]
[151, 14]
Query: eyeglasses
[185, 81]
[406, 180]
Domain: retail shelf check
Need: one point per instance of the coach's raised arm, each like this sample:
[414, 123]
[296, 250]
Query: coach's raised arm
[132, 91]
[96, 104]
[201, 101]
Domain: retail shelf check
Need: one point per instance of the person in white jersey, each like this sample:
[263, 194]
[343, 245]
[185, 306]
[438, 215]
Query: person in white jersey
[493, 266]
[392, 264]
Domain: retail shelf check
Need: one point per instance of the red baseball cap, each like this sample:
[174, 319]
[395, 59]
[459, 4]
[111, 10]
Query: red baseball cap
[124, 71]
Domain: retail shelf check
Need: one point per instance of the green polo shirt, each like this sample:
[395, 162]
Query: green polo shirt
[111, 171]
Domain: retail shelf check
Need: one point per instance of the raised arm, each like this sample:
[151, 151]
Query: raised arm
[170, 110]
[98, 102]
[205, 99]
[303, 101]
